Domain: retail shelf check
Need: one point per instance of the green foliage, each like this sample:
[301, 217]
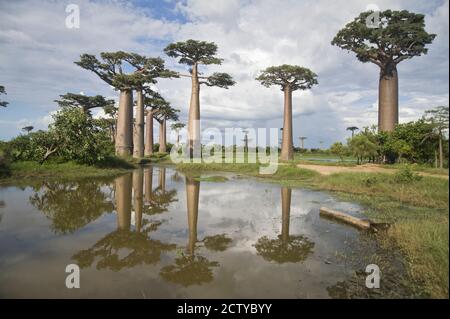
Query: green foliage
[5, 159]
[406, 175]
[85, 102]
[193, 52]
[338, 149]
[362, 147]
[293, 76]
[222, 80]
[401, 35]
[2, 91]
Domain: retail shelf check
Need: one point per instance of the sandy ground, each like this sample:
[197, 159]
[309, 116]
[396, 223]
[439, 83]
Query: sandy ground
[367, 168]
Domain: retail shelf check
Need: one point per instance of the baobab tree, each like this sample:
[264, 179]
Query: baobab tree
[153, 103]
[3, 91]
[400, 35]
[290, 78]
[195, 53]
[302, 141]
[439, 119]
[111, 70]
[177, 127]
[85, 103]
[352, 129]
[164, 114]
[27, 129]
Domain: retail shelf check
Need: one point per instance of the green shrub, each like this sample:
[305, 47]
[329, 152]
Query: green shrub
[406, 175]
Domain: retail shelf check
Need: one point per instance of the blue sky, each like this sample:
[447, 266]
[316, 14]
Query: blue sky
[37, 53]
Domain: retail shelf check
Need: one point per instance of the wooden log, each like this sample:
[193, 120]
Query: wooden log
[346, 218]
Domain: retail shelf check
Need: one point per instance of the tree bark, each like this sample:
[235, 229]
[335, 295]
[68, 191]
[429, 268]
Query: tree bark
[138, 186]
[123, 201]
[162, 136]
[194, 116]
[148, 185]
[285, 212]
[124, 142]
[388, 98]
[192, 196]
[138, 141]
[149, 134]
[286, 145]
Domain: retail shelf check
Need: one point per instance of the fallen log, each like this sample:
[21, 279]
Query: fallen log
[346, 218]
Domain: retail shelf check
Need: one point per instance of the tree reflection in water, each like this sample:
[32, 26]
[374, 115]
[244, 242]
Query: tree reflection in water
[285, 248]
[125, 248]
[192, 268]
[157, 201]
[71, 205]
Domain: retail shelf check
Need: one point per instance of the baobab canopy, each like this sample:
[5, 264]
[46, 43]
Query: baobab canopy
[294, 76]
[400, 35]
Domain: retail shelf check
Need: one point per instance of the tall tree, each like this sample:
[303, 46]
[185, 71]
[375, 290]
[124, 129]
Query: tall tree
[177, 127]
[195, 53]
[85, 103]
[352, 129]
[111, 69]
[290, 78]
[164, 114]
[2, 91]
[302, 140]
[400, 35]
[153, 103]
[439, 119]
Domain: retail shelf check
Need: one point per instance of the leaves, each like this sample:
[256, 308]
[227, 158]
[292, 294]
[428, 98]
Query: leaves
[222, 80]
[293, 76]
[192, 52]
[84, 102]
[401, 35]
[2, 91]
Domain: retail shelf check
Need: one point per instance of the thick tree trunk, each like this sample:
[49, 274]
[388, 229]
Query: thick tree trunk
[138, 141]
[138, 187]
[285, 212]
[441, 152]
[124, 142]
[162, 136]
[123, 201]
[388, 98]
[194, 117]
[149, 134]
[192, 196]
[148, 185]
[286, 145]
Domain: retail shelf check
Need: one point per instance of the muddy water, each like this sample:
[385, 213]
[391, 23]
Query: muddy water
[156, 233]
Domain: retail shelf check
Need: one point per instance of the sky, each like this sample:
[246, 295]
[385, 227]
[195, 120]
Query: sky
[37, 52]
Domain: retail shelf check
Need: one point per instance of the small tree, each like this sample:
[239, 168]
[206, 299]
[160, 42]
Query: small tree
[400, 35]
[27, 129]
[177, 127]
[195, 53]
[361, 147]
[2, 91]
[290, 78]
[439, 119]
[338, 149]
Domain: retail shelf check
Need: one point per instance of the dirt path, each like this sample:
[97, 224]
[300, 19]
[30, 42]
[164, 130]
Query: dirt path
[367, 168]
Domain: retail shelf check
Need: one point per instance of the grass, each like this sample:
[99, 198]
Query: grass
[420, 168]
[68, 170]
[213, 179]
[418, 210]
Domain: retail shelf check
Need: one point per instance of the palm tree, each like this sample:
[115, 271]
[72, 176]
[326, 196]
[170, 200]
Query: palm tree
[353, 129]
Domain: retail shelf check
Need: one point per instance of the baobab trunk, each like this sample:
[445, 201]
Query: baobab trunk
[194, 117]
[286, 145]
[123, 201]
[285, 212]
[192, 195]
[138, 187]
[162, 136]
[149, 134]
[388, 99]
[148, 185]
[124, 142]
[138, 141]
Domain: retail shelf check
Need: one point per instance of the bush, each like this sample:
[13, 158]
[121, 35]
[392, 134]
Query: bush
[406, 175]
[5, 159]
